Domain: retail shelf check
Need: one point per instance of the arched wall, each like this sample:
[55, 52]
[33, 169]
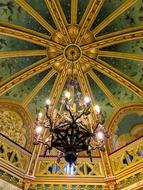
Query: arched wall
[16, 123]
[116, 124]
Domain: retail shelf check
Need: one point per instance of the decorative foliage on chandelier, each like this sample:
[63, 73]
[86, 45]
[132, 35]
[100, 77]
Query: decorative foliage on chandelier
[71, 131]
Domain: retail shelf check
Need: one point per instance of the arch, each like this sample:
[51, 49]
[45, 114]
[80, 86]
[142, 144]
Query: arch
[12, 112]
[112, 124]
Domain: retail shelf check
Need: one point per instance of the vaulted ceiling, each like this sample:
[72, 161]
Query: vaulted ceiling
[39, 37]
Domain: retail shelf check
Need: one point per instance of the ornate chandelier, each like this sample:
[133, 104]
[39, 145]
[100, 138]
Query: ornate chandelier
[70, 131]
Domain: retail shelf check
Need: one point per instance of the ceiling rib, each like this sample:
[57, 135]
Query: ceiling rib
[117, 37]
[27, 73]
[22, 53]
[114, 74]
[121, 55]
[89, 17]
[59, 18]
[38, 87]
[121, 38]
[85, 87]
[35, 15]
[59, 85]
[121, 9]
[85, 13]
[23, 29]
[101, 85]
[24, 34]
[120, 32]
[74, 4]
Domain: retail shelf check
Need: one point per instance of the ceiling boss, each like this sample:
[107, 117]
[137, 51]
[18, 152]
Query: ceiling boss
[72, 53]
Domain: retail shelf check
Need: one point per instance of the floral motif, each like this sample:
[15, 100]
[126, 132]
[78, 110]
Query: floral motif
[11, 125]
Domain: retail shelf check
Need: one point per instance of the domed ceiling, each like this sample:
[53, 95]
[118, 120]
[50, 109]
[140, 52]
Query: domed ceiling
[43, 43]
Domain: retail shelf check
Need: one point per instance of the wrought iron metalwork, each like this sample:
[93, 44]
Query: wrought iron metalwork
[70, 131]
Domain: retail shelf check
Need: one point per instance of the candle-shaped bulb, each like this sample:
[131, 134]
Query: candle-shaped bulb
[97, 109]
[100, 135]
[67, 95]
[48, 102]
[40, 114]
[47, 139]
[38, 130]
[86, 100]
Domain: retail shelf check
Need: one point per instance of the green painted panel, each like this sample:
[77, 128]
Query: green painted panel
[20, 92]
[38, 102]
[82, 5]
[13, 65]
[9, 43]
[120, 92]
[13, 13]
[130, 18]
[133, 69]
[66, 6]
[42, 10]
[108, 7]
[134, 46]
[101, 99]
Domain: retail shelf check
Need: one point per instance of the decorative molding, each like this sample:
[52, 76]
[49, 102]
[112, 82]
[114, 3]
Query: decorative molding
[24, 114]
[83, 168]
[12, 179]
[88, 18]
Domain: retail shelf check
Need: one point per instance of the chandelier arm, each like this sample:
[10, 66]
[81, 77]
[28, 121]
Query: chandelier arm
[83, 113]
[71, 115]
[100, 144]
[37, 142]
[72, 136]
[63, 143]
[46, 149]
[46, 126]
[59, 126]
[79, 116]
[49, 119]
[92, 148]
[82, 125]
[79, 142]
[82, 138]
[61, 136]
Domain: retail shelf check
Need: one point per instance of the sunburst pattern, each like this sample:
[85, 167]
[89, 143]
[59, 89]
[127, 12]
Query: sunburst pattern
[52, 46]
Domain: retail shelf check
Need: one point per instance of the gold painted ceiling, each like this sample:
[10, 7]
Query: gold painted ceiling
[41, 41]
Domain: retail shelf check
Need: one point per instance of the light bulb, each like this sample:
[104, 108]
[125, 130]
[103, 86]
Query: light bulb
[47, 139]
[48, 102]
[100, 135]
[89, 147]
[67, 95]
[38, 129]
[86, 99]
[40, 115]
[97, 108]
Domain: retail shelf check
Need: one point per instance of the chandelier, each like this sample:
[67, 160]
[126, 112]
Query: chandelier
[71, 129]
